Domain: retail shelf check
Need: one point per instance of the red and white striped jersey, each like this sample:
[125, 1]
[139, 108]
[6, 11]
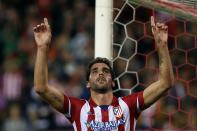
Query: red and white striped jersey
[121, 115]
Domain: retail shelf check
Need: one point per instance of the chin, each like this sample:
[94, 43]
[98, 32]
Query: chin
[101, 89]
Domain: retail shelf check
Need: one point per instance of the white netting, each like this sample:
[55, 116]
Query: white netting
[128, 56]
[136, 64]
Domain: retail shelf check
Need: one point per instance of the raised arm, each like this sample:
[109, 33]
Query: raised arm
[52, 95]
[166, 78]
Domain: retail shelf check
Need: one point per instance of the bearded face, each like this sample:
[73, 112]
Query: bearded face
[100, 79]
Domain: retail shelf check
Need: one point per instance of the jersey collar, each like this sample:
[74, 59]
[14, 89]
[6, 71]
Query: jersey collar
[114, 102]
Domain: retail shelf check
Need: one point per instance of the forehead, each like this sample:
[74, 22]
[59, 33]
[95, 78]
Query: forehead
[99, 65]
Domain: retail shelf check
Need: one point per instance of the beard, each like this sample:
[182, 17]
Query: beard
[101, 85]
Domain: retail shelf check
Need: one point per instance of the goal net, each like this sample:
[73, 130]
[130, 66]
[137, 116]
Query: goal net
[135, 61]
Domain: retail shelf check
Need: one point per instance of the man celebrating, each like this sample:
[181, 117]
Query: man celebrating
[103, 111]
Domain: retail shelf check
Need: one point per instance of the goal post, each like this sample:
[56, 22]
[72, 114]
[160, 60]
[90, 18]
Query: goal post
[103, 28]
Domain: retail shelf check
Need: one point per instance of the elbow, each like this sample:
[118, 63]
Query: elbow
[167, 83]
[170, 84]
[171, 80]
[40, 89]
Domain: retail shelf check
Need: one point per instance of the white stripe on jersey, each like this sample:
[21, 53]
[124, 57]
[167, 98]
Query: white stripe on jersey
[98, 115]
[74, 126]
[138, 107]
[138, 110]
[84, 116]
[111, 115]
[134, 124]
[69, 109]
[126, 113]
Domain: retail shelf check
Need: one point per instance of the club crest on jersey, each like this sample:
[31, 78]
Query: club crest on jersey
[118, 112]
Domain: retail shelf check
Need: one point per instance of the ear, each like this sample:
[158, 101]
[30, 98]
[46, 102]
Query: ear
[88, 85]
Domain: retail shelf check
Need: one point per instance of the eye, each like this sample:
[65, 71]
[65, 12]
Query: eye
[94, 71]
[106, 71]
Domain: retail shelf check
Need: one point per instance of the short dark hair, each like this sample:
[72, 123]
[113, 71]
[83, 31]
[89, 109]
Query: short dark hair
[99, 60]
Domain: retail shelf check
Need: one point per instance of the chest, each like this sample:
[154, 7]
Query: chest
[109, 118]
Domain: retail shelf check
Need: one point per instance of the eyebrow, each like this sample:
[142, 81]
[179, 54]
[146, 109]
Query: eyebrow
[105, 68]
[96, 68]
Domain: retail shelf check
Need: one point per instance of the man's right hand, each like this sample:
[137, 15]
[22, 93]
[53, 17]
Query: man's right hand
[42, 34]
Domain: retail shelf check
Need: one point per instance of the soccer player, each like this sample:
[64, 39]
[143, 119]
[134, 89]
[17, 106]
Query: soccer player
[103, 111]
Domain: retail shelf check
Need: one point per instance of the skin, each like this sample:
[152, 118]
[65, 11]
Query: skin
[101, 84]
[100, 80]
[166, 78]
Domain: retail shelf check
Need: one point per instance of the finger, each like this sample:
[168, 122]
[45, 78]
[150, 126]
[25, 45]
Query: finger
[152, 21]
[161, 25]
[46, 21]
[38, 28]
[158, 25]
[47, 24]
[153, 24]
[165, 28]
[35, 29]
[42, 26]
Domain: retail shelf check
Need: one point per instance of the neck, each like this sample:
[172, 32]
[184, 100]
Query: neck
[102, 99]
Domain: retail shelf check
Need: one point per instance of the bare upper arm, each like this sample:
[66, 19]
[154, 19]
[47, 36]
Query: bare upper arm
[153, 92]
[55, 97]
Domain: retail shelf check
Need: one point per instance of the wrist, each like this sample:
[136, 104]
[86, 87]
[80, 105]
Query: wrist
[162, 48]
[162, 44]
[42, 47]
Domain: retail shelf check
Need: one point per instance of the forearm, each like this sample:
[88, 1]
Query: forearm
[41, 70]
[166, 78]
[165, 66]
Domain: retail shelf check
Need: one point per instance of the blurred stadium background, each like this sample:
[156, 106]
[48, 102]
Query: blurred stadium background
[72, 47]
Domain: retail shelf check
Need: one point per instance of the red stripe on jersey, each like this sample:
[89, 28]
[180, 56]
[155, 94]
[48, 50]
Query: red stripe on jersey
[91, 116]
[75, 106]
[121, 128]
[75, 109]
[105, 115]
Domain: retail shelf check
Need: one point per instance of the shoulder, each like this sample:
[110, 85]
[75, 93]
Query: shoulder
[74, 101]
[73, 107]
[134, 99]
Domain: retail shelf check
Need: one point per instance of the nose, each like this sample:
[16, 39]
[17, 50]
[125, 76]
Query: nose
[100, 73]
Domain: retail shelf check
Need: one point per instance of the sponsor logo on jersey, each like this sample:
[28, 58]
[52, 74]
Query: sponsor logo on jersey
[105, 126]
